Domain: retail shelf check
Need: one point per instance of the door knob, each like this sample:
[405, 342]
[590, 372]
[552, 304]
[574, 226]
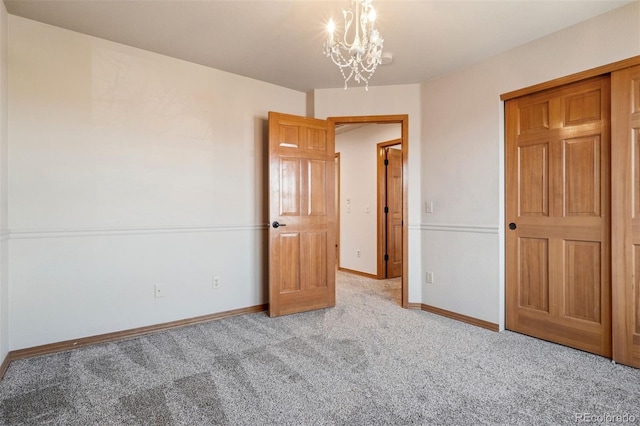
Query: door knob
[276, 224]
[512, 226]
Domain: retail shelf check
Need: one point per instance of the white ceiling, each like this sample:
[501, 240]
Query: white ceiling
[281, 41]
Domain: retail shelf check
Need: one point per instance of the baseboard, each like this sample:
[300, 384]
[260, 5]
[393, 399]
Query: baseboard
[459, 317]
[414, 305]
[5, 365]
[120, 335]
[362, 274]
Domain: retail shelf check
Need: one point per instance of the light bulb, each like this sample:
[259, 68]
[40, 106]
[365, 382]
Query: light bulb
[331, 26]
[330, 29]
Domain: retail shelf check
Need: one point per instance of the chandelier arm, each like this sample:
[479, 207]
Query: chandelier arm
[364, 20]
[348, 19]
[358, 18]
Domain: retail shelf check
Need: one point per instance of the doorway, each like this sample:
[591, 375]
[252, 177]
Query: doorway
[402, 229]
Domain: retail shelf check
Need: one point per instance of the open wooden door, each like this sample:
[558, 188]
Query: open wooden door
[394, 215]
[302, 214]
[390, 209]
[558, 215]
[625, 199]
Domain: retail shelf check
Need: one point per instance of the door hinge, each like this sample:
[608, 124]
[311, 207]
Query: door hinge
[386, 162]
[386, 257]
[386, 209]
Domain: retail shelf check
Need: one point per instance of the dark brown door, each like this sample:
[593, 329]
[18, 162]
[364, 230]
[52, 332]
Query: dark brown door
[302, 214]
[394, 212]
[625, 197]
[558, 236]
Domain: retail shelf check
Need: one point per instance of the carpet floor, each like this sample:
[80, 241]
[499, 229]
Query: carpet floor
[365, 362]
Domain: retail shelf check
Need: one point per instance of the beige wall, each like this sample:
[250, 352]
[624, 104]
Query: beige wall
[128, 170]
[463, 163]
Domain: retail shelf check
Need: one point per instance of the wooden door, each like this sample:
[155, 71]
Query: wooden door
[337, 207]
[558, 215]
[302, 214]
[625, 198]
[394, 213]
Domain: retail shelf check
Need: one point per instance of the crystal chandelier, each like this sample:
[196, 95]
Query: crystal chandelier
[359, 58]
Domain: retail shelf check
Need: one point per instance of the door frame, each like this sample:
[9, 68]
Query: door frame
[402, 119]
[381, 194]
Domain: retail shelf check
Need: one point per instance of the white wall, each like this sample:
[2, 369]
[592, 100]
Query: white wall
[359, 194]
[387, 100]
[463, 162]
[130, 169]
[4, 144]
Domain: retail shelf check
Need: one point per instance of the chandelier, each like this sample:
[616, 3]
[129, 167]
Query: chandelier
[359, 58]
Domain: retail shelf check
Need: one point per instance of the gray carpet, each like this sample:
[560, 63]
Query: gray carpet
[365, 362]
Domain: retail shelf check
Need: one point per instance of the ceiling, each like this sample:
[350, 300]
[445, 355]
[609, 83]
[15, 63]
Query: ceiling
[281, 41]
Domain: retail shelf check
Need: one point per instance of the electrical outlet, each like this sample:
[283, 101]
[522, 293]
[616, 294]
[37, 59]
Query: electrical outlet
[216, 282]
[429, 277]
[358, 253]
[158, 291]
